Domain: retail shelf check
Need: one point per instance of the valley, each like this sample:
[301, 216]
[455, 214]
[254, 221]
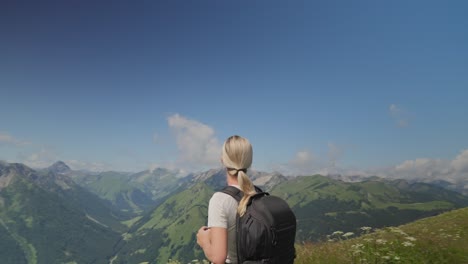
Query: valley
[57, 215]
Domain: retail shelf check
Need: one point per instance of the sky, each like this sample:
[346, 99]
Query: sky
[350, 87]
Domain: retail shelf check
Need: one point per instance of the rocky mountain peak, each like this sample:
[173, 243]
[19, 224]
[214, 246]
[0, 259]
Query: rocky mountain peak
[59, 167]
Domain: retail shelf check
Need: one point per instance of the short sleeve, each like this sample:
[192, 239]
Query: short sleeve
[217, 216]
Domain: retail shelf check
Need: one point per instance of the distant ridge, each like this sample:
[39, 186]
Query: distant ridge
[59, 167]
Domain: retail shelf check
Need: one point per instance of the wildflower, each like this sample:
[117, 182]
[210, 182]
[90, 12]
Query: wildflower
[368, 240]
[337, 233]
[381, 241]
[397, 230]
[410, 238]
[348, 234]
[356, 249]
[386, 257]
[357, 246]
[396, 258]
[408, 244]
[366, 228]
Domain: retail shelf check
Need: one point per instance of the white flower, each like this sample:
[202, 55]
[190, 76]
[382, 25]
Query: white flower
[337, 233]
[410, 238]
[348, 234]
[381, 241]
[408, 244]
[357, 246]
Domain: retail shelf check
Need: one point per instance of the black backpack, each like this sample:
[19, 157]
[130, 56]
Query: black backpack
[267, 231]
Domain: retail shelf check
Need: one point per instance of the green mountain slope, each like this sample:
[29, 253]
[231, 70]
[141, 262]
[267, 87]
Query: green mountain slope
[117, 188]
[40, 223]
[133, 193]
[323, 205]
[62, 185]
[168, 231]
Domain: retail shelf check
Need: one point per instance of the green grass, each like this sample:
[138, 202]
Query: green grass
[108, 185]
[439, 239]
[428, 206]
[132, 221]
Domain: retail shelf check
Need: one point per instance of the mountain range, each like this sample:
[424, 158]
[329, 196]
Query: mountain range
[47, 218]
[58, 215]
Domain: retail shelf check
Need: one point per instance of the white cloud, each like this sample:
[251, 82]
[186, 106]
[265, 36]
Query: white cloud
[41, 159]
[460, 163]
[400, 116]
[303, 158]
[8, 139]
[89, 166]
[425, 169]
[421, 168]
[305, 162]
[196, 142]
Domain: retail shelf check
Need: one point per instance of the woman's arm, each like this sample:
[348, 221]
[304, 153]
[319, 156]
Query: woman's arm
[213, 241]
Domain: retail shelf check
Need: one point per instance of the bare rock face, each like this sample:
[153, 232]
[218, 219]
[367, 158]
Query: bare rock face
[5, 179]
[59, 167]
[8, 172]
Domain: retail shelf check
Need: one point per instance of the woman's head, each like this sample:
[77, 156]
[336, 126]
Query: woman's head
[237, 154]
[237, 157]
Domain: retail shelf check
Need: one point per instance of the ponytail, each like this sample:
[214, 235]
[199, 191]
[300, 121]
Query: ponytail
[247, 188]
[237, 157]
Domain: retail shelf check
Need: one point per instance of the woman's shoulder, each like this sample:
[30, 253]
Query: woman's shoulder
[220, 197]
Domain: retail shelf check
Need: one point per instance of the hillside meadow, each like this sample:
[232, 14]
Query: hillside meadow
[439, 239]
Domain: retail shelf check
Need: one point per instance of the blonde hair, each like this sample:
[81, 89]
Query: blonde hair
[237, 157]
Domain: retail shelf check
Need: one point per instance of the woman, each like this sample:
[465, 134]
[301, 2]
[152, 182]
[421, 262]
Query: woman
[218, 239]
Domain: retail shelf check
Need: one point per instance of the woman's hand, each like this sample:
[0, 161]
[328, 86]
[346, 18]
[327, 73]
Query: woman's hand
[203, 236]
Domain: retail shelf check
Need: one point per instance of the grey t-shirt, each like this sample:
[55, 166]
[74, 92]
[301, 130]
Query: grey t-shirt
[222, 211]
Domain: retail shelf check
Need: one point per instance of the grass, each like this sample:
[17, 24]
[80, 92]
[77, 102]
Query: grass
[439, 239]
[130, 222]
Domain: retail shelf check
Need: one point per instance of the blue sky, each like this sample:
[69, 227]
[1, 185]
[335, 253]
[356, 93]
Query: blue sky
[316, 86]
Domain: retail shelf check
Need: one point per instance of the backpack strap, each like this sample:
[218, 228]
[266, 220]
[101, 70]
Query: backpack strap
[234, 192]
[237, 193]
